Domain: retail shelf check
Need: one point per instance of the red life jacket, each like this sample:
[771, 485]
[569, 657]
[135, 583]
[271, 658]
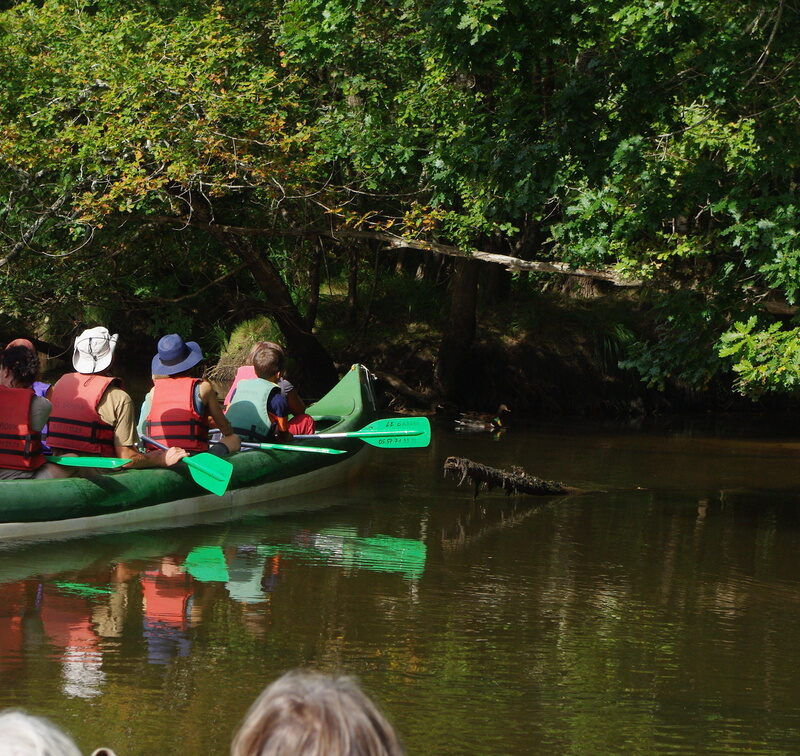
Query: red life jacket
[173, 419]
[20, 447]
[74, 421]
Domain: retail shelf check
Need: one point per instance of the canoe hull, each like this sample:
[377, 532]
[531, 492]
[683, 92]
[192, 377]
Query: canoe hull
[47, 508]
[191, 510]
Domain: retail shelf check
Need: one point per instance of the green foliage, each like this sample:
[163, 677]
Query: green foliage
[683, 350]
[170, 106]
[764, 359]
[657, 137]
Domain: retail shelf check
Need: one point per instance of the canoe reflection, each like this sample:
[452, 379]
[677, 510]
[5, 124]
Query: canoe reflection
[115, 592]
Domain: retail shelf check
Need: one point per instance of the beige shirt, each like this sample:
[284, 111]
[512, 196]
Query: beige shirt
[116, 409]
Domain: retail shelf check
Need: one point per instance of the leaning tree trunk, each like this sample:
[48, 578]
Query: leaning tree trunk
[316, 371]
[459, 329]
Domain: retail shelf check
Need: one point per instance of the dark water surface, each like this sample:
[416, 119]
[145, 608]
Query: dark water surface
[657, 615]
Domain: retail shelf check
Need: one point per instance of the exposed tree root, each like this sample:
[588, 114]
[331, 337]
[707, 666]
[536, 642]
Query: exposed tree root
[515, 481]
[424, 399]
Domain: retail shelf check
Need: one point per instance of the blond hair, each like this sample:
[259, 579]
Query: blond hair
[311, 714]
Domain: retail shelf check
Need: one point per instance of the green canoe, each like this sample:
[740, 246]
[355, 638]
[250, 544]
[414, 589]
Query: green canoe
[46, 508]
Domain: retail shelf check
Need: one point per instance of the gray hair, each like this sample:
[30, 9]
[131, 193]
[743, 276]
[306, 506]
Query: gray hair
[311, 714]
[24, 735]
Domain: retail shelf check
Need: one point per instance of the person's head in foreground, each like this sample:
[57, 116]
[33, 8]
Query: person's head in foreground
[311, 714]
[24, 735]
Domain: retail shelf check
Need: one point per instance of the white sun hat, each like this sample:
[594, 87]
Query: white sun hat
[94, 350]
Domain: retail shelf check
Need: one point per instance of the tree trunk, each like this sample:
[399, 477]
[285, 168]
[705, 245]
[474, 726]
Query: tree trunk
[316, 371]
[459, 329]
[495, 281]
[496, 285]
[352, 285]
[429, 268]
[314, 275]
[407, 261]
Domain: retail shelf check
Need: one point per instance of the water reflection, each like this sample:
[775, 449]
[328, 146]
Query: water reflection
[662, 620]
[168, 609]
[117, 584]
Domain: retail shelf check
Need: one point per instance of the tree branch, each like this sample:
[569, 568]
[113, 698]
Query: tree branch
[34, 227]
[393, 241]
[765, 54]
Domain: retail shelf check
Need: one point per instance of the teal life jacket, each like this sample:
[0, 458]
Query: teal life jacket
[247, 412]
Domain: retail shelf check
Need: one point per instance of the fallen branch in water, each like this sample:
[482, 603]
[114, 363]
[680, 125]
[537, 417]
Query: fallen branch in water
[515, 481]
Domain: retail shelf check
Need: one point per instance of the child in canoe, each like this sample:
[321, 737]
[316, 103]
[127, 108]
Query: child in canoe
[299, 423]
[258, 410]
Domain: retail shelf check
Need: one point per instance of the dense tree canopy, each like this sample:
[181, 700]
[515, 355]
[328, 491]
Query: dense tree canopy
[655, 138]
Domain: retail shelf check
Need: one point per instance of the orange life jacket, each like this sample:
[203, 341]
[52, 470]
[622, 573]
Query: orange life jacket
[20, 447]
[173, 418]
[74, 421]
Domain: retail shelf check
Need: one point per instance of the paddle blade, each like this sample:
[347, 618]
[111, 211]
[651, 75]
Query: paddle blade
[209, 471]
[406, 425]
[82, 589]
[397, 432]
[104, 462]
[400, 433]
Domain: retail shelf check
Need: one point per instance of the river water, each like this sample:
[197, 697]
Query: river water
[659, 613]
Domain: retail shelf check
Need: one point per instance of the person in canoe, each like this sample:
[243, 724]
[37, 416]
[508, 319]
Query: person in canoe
[40, 388]
[300, 423]
[92, 414]
[181, 407]
[259, 411]
[23, 414]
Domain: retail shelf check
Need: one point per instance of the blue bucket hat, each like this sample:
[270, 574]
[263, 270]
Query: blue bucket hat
[175, 355]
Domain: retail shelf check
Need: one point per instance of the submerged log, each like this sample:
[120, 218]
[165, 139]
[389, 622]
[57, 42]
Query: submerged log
[515, 481]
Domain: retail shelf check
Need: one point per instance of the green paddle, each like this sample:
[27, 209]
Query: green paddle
[82, 589]
[106, 462]
[396, 432]
[292, 447]
[207, 470]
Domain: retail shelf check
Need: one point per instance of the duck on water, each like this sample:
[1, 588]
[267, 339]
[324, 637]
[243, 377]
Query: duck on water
[483, 421]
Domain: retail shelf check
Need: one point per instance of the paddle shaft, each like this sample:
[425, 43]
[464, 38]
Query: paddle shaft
[152, 441]
[291, 447]
[363, 434]
[396, 433]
